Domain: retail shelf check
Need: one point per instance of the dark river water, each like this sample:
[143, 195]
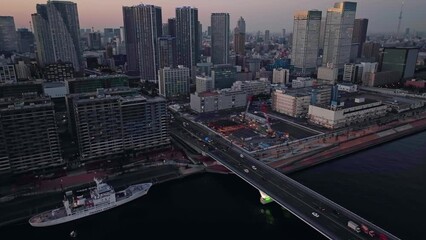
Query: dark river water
[386, 185]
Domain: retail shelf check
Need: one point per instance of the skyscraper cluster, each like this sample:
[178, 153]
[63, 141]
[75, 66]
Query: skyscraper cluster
[340, 36]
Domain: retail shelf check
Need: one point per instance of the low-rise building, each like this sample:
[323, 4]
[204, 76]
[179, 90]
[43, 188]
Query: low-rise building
[91, 84]
[281, 75]
[218, 100]
[7, 74]
[347, 87]
[321, 94]
[301, 82]
[295, 102]
[223, 75]
[352, 73]
[291, 103]
[16, 90]
[328, 75]
[252, 87]
[401, 104]
[203, 84]
[59, 71]
[374, 79]
[349, 112]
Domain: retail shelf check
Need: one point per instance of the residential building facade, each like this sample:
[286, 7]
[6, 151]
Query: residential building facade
[28, 134]
[174, 82]
[143, 27]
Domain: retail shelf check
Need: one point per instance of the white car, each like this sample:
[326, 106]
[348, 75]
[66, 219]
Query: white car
[246, 170]
[254, 167]
[315, 214]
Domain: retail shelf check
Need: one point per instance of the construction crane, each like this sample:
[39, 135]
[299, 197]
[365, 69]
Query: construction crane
[270, 131]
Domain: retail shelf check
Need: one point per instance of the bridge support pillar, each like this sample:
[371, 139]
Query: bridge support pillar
[265, 199]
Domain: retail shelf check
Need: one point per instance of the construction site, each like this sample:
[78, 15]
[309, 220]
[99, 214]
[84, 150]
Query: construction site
[255, 131]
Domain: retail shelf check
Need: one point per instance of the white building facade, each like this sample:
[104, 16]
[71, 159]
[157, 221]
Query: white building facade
[173, 82]
[252, 87]
[203, 84]
[295, 105]
[343, 116]
[281, 76]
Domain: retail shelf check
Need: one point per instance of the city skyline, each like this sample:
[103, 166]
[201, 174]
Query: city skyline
[382, 14]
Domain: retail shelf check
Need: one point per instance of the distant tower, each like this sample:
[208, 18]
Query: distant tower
[400, 19]
[338, 34]
[220, 38]
[306, 34]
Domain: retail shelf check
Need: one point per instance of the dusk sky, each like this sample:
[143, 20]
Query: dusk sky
[259, 14]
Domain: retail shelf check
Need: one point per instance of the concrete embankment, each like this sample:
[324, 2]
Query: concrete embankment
[23, 207]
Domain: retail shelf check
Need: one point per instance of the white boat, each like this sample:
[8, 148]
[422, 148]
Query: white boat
[89, 202]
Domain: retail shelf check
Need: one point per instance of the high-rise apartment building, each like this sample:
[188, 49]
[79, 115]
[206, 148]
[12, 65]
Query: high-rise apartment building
[167, 52]
[143, 27]
[171, 25]
[371, 50]
[28, 134]
[240, 37]
[8, 39]
[338, 34]
[306, 35]
[26, 41]
[57, 33]
[174, 82]
[95, 41]
[220, 38]
[187, 37]
[360, 33]
[241, 24]
[125, 122]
